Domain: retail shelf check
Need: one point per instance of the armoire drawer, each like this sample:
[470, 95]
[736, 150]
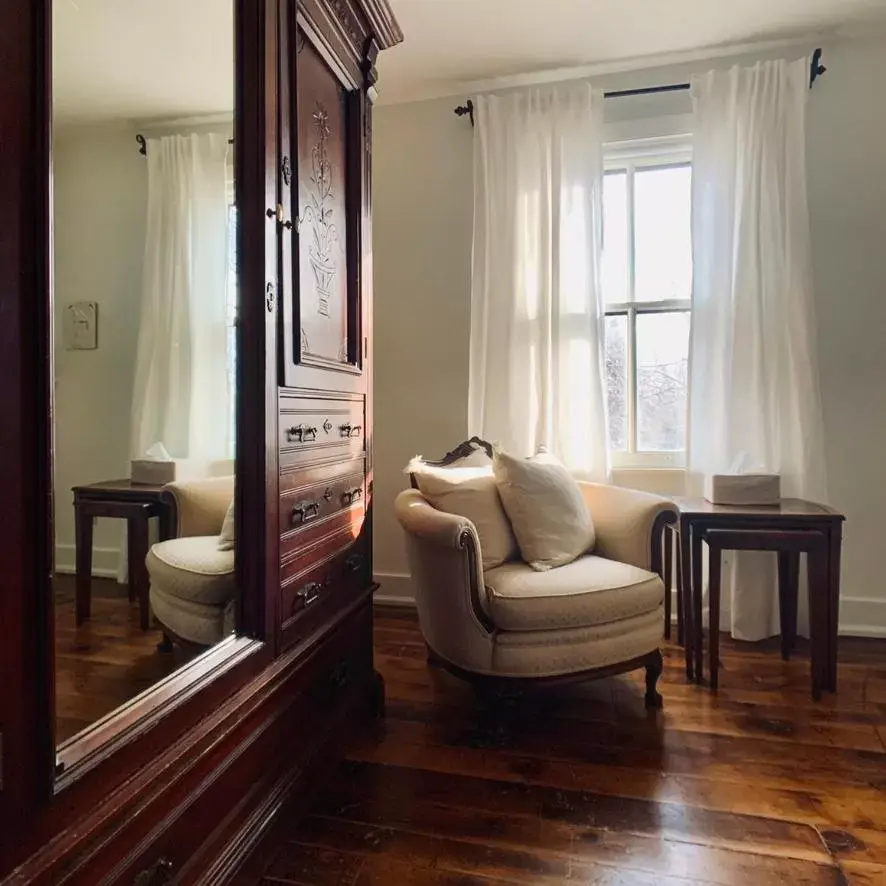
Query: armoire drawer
[312, 496]
[315, 428]
[320, 580]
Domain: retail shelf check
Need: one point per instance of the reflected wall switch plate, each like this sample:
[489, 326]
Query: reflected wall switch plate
[81, 326]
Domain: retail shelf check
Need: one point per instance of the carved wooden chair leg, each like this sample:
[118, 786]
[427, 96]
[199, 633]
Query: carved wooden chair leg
[165, 645]
[654, 668]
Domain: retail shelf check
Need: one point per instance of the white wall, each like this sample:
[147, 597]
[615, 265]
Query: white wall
[100, 192]
[422, 254]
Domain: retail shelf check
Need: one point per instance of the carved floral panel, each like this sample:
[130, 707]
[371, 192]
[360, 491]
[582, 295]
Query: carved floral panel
[322, 218]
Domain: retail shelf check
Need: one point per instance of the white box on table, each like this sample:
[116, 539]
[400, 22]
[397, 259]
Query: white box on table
[743, 489]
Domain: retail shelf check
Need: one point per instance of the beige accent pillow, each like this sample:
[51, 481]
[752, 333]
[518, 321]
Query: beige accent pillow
[470, 492]
[226, 538]
[547, 511]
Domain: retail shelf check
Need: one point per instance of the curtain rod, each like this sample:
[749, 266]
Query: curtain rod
[816, 69]
[143, 145]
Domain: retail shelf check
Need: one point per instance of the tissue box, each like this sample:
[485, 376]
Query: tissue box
[152, 470]
[743, 489]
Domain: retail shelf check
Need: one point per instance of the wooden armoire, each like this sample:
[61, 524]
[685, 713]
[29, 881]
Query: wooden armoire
[182, 785]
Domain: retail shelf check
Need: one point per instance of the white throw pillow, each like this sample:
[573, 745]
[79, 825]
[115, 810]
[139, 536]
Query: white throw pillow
[226, 538]
[470, 492]
[546, 508]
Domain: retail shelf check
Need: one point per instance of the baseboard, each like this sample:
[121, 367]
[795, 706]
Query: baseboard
[862, 617]
[395, 589]
[104, 561]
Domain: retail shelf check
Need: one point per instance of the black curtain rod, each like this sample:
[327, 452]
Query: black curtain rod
[815, 71]
[143, 145]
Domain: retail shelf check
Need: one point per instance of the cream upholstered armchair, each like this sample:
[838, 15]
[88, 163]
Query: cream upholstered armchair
[599, 615]
[193, 591]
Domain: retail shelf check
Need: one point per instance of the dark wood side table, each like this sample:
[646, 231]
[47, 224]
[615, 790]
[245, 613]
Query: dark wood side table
[773, 528]
[136, 503]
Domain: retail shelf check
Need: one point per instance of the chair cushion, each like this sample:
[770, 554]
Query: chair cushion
[546, 508]
[193, 569]
[470, 492]
[589, 591]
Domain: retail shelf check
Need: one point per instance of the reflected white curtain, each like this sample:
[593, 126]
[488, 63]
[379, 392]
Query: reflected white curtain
[754, 390]
[536, 361]
[181, 397]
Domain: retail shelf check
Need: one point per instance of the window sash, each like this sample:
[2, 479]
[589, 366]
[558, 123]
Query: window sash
[629, 158]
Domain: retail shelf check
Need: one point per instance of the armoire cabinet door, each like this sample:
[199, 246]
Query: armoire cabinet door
[321, 135]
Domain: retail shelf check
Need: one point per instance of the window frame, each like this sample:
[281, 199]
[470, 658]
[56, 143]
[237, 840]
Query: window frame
[630, 156]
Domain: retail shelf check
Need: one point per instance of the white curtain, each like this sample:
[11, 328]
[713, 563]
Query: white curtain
[181, 397]
[754, 393]
[536, 362]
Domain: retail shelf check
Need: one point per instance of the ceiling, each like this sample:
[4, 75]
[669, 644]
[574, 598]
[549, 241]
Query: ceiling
[453, 44]
[165, 59]
[142, 59]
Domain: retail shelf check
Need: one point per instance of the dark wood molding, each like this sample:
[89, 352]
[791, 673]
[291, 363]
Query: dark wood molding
[382, 22]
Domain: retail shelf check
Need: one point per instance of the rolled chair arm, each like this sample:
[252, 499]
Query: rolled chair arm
[629, 523]
[200, 505]
[445, 562]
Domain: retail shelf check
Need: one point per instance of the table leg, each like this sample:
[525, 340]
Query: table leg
[681, 605]
[686, 574]
[788, 593]
[83, 521]
[138, 574]
[697, 593]
[818, 557]
[668, 543]
[835, 547]
[714, 563]
[167, 518]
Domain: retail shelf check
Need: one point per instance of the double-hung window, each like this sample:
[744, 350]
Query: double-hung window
[647, 282]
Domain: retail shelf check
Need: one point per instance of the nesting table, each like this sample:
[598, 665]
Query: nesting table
[136, 503]
[789, 528]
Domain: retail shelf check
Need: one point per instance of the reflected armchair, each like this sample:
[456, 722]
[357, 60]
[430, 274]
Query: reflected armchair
[193, 590]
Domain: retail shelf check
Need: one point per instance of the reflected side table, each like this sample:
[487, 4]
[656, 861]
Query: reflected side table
[136, 503]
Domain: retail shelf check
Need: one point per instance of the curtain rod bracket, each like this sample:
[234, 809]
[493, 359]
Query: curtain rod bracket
[142, 145]
[466, 109]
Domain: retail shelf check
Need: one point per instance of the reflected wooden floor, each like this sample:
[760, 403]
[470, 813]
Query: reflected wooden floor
[106, 661]
[756, 785]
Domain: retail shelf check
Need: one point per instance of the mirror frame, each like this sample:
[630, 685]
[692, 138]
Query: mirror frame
[121, 742]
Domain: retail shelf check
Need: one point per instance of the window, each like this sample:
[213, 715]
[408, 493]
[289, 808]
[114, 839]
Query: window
[647, 283]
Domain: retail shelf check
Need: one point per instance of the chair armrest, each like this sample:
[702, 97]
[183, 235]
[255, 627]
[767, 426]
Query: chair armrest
[629, 523]
[444, 559]
[200, 505]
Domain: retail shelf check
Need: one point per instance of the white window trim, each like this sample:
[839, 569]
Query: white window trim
[671, 150]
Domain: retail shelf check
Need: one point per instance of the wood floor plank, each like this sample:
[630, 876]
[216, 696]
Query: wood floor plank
[756, 784]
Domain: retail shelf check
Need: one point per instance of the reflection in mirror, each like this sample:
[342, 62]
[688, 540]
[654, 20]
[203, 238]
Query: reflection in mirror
[144, 304]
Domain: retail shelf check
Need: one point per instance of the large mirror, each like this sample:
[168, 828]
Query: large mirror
[144, 308]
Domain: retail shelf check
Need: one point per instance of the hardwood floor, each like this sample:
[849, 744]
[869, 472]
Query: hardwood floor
[755, 785]
[105, 662]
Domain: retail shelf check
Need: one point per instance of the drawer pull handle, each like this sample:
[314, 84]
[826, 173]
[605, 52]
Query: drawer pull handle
[352, 495]
[349, 430]
[354, 563]
[304, 511]
[301, 434]
[157, 874]
[308, 594]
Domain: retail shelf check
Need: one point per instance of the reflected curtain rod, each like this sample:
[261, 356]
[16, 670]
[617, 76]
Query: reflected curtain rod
[143, 145]
[816, 69]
